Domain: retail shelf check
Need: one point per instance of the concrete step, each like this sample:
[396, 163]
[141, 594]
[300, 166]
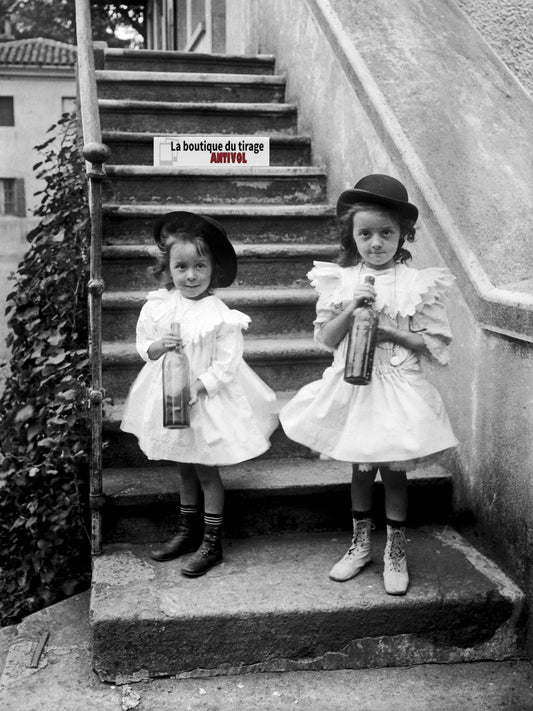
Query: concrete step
[64, 679]
[224, 118]
[271, 607]
[190, 86]
[171, 61]
[263, 496]
[132, 184]
[283, 363]
[125, 267]
[133, 224]
[284, 311]
[137, 148]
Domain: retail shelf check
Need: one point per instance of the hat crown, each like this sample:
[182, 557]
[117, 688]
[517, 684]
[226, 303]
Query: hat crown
[381, 190]
[213, 233]
[384, 186]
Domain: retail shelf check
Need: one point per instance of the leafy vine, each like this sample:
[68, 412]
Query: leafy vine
[44, 431]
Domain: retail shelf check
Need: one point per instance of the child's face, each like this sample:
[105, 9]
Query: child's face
[376, 235]
[191, 272]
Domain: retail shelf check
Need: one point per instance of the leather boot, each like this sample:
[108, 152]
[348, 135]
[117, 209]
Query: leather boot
[358, 554]
[186, 540]
[395, 575]
[208, 555]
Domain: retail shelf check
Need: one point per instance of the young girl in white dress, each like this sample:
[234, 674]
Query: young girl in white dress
[232, 411]
[399, 418]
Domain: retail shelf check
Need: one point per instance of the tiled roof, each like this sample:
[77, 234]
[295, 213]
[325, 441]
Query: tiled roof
[37, 52]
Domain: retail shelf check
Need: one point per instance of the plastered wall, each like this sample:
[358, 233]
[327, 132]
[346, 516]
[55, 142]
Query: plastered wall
[507, 25]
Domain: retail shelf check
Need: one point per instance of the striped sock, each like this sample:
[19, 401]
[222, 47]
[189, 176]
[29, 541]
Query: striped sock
[186, 510]
[212, 519]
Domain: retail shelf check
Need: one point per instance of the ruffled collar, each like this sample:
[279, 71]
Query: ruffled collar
[197, 318]
[400, 290]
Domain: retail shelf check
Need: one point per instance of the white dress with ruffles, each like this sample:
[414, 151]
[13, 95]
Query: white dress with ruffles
[399, 417]
[230, 423]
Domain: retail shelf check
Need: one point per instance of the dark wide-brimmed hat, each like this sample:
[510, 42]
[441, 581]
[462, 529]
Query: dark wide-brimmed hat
[213, 233]
[380, 189]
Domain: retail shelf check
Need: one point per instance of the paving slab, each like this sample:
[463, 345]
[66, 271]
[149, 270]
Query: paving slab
[271, 607]
[65, 681]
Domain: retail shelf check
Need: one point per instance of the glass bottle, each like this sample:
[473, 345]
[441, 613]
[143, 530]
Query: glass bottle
[361, 342]
[176, 388]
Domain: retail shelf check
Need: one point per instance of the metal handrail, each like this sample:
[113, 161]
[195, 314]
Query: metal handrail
[96, 154]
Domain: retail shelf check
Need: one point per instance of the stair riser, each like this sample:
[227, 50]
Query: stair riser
[188, 188]
[258, 513]
[190, 63]
[281, 375]
[122, 450]
[186, 91]
[135, 152]
[133, 274]
[134, 229]
[119, 324]
[179, 122]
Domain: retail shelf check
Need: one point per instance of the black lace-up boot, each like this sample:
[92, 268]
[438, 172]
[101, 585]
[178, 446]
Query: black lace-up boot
[208, 555]
[187, 538]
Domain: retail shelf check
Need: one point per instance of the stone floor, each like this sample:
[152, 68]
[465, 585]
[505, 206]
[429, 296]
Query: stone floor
[64, 680]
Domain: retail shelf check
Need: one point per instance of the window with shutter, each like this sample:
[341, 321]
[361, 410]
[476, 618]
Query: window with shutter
[7, 113]
[12, 197]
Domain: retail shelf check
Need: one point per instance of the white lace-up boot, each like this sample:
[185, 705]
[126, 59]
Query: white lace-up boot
[395, 576]
[358, 555]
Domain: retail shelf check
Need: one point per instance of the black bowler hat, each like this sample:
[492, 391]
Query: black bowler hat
[213, 233]
[381, 189]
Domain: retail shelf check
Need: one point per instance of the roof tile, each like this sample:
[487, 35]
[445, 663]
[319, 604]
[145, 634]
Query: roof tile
[37, 51]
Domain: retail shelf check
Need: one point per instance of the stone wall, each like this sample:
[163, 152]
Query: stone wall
[507, 25]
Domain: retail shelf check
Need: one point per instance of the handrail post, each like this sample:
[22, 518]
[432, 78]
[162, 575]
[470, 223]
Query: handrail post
[96, 154]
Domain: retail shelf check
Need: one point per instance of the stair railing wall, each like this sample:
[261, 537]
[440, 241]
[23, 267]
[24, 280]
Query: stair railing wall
[96, 154]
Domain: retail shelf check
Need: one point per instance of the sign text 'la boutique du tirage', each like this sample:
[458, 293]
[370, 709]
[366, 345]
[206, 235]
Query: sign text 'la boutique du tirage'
[211, 151]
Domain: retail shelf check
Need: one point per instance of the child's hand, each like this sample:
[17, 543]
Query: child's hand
[197, 388]
[167, 343]
[363, 292]
[170, 341]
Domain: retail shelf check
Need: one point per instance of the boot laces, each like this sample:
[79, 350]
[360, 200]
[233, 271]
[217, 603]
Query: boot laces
[396, 550]
[361, 536]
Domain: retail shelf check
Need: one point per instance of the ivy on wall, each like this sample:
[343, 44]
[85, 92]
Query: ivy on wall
[44, 429]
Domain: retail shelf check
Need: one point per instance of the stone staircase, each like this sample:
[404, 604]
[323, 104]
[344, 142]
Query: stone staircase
[270, 606]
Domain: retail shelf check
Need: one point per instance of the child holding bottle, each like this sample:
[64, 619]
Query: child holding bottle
[398, 420]
[232, 411]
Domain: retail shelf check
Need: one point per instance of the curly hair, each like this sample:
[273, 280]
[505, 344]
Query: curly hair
[349, 254]
[171, 236]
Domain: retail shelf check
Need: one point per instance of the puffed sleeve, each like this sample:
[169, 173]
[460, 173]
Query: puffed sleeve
[431, 322]
[326, 278]
[145, 331]
[228, 355]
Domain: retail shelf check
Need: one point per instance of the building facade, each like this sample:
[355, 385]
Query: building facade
[37, 85]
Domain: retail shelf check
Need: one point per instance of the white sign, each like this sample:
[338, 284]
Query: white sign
[211, 151]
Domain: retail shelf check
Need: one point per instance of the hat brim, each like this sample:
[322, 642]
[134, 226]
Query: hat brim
[213, 233]
[350, 197]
